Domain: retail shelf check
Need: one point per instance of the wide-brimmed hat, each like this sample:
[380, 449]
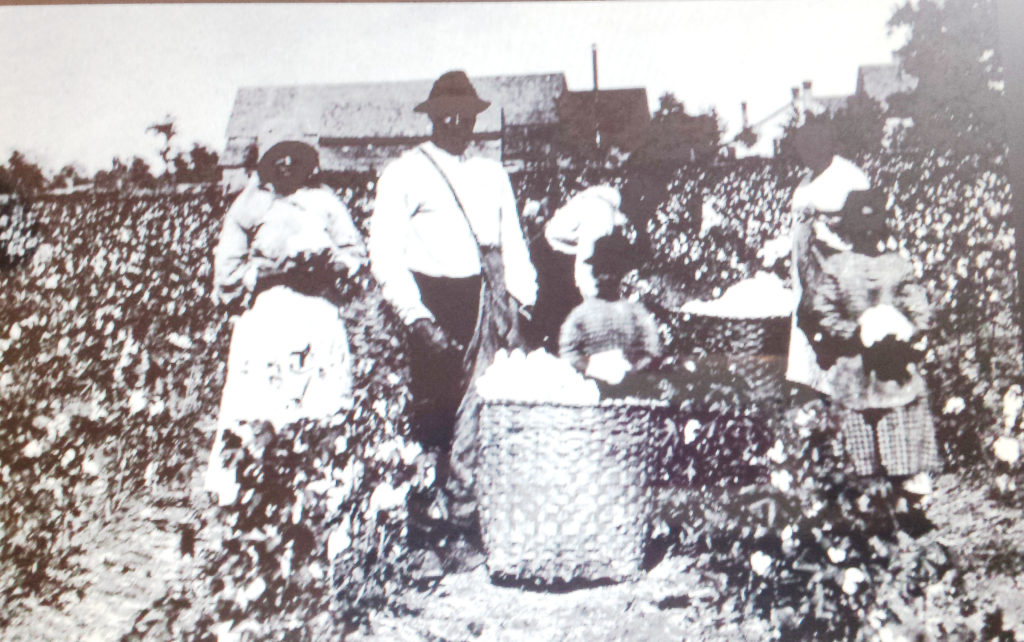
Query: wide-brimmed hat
[304, 160]
[452, 92]
[287, 137]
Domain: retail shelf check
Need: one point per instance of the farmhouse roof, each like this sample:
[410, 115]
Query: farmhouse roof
[366, 112]
[880, 82]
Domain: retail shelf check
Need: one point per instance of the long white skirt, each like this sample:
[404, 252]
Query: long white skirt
[289, 360]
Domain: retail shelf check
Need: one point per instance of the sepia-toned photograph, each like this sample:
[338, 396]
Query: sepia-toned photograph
[510, 321]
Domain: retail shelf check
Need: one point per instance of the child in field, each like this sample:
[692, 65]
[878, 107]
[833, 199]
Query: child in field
[608, 339]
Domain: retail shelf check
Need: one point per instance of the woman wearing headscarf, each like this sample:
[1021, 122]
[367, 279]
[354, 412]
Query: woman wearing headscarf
[872, 313]
[285, 241]
[816, 202]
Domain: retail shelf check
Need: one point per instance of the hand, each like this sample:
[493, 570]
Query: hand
[432, 335]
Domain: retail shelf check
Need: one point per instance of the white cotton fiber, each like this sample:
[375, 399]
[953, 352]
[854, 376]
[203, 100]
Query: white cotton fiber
[882, 320]
[763, 295]
[535, 378]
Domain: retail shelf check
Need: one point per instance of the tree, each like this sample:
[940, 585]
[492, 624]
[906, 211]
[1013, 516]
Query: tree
[168, 130]
[859, 127]
[675, 137]
[68, 176]
[958, 103]
[134, 174]
[200, 165]
[21, 176]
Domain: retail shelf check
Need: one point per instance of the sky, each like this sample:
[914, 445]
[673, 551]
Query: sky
[81, 83]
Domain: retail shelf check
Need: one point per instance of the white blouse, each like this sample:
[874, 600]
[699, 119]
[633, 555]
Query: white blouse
[262, 228]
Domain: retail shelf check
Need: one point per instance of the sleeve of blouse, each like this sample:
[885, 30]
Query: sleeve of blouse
[520, 275]
[571, 339]
[233, 269]
[912, 299]
[389, 231]
[649, 332]
[348, 243]
[826, 304]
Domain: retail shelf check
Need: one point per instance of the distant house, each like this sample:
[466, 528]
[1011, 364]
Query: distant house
[361, 126]
[881, 83]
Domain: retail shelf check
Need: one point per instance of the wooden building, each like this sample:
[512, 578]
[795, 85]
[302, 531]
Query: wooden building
[361, 126]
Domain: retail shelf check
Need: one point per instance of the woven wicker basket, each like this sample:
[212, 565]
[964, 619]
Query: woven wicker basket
[564, 491]
[762, 336]
[748, 352]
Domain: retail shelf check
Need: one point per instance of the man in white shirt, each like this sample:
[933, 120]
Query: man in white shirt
[446, 245]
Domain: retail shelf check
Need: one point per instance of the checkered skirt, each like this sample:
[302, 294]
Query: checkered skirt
[897, 441]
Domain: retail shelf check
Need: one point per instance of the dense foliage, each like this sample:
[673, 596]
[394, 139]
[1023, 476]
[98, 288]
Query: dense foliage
[112, 362]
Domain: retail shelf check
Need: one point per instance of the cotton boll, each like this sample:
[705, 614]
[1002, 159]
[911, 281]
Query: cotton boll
[782, 479]
[763, 295]
[954, 406]
[690, 431]
[1013, 401]
[1007, 449]
[880, 321]
[32, 449]
[385, 497]
[338, 541]
[760, 562]
[852, 579]
[610, 366]
[776, 453]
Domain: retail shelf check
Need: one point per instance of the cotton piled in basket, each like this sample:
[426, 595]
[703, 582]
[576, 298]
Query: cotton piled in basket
[742, 334]
[562, 480]
[538, 377]
[762, 295]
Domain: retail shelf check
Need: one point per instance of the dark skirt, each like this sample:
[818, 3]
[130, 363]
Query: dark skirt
[557, 294]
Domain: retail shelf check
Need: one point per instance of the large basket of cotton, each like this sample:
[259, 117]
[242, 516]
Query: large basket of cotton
[744, 334]
[563, 480]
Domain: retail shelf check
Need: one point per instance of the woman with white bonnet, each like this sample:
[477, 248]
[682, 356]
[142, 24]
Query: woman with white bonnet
[285, 242]
[816, 205]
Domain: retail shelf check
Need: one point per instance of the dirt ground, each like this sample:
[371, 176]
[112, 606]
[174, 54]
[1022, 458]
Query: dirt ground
[133, 559]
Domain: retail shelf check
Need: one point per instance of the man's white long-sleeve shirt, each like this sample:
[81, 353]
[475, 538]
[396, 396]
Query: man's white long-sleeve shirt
[417, 226]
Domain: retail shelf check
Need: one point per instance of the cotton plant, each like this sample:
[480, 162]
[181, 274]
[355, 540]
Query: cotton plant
[1006, 447]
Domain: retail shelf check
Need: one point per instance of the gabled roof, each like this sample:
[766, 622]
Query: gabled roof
[831, 104]
[882, 81]
[384, 110]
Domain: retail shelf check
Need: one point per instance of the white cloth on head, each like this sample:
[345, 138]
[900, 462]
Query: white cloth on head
[576, 226]
[828, 192]
[825, 193]
[417, 226]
